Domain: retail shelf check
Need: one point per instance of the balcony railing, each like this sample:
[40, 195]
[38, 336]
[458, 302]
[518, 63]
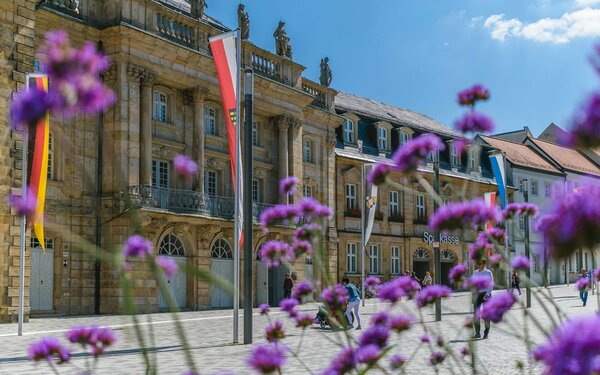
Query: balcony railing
[188, 201]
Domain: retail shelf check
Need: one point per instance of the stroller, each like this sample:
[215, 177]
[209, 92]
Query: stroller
[326, 318]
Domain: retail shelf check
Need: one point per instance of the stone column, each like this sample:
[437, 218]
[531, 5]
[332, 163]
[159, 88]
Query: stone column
[296, 153]
[283, 150]
[198, 145]
[147, 82]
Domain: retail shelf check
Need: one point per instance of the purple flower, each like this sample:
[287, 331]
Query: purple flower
[464, 351]
[274, 332]
[268, 358]
[28, 107]
[521, 263]
[185, 166]
[23, 206]
[496, 306]
[440, 341]
[264, 309]
[396, 361]
[461, 145]
[479, 283]
[303, 320]
[343, 363]
[334, 296]
[302, 289]
[290, 306]
[397, 288]
[470, 96]
[476, 122]
[47, 348]
[137, 247]
[514, 209]
[437, 358]
[573, 222]
[300, 248]
[308, 232]
[585, 131]
[311, 208]
[431, 294]
[167, 264]
[480, 248]
[372, 282]
[457, 272]
[572, 348]
[401, 322]
[496, 259]
[279, 214]
[368, 354]
[458, 215]
[495, 233]
[287, 186]
[583, 283]
[190, 372]
[376, 335]
[379, 173]
[410, 156]
[98, 338]
[424, 338]
[273, 252]
[597, 275]
[380, 318]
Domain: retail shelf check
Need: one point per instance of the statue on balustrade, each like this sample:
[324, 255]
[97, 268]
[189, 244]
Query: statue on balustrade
[243, 22]
[282, 41]
[197, 8]
[325, 76]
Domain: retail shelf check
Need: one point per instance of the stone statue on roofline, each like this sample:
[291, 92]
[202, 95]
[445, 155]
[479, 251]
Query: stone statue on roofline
[243, 22]
[282, 41]
[326, 76]
[197, 8]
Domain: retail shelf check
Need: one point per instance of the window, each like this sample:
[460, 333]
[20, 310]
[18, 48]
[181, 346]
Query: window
[160, 174]
[210, 124]
[351, 247]
[420, 206]
[349, 131]
[522, 222]
[522, 185]
[394, 204]
[307, 154]
[35, 243]
[403, 138]
[350, 197]
[534, 187]
[210, 182]
[171, 245]
[395, 260]
[547, 190]
[160, 106]
[254, 133]
[453, 155]
[471, 159]
[373, 259]
[430, 156]
[382, 138]
[50, 157]
[307, 191]
[256, 190]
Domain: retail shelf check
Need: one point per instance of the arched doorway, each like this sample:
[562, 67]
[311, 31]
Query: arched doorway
[269, 282]
[222, 266]
[172, 246]
[420, 262]
[448, 260]
[262, 280]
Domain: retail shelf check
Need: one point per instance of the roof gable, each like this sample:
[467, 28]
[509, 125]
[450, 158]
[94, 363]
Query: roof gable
[567, 158]
[520, 154]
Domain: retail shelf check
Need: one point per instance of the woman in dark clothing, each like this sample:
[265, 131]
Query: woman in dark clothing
[288, 284]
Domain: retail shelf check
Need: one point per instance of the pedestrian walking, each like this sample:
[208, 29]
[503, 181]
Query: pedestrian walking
[415, 277]
[427, 280]
[583, 291]
[288, 285]
[515, 283]
[353, 303]
[479, 298]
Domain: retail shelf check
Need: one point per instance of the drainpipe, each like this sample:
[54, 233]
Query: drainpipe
[98, 204]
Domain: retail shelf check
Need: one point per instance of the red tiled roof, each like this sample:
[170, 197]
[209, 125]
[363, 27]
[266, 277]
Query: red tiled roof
[568, 158]
[520, 154]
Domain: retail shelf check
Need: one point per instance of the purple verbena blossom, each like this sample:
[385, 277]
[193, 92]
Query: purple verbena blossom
[457, 272]
[431, 294]
[98, 338]
[479, 282]
[514, 209]
[308, 232]
[290, 306]
[29, 106]
[495, 233]
[496, 259]
[368, 354]
[342, 363]
[302, 289]
[267, 358]
[480, 248]
[279, 214]
[424, 338]
[397, 361]
[475, 122]
[372, 282]
[410, 156]
[395, 289]
[437, 358]
[310, 208]
[585, 130]
[379, 173]
[583, 283]
[597, 275]
[401, 322]
[376, 335]
[464, 351]
[470, 96]
[47, 348]
[274, 332]
[496, 306]
[304, 320]
[287, 186]
[273, 252]
[185, 167]
[334, 296]
[167, 264]
[137, 247]
[380, 318]
[461, 215]
[300, 248]
[264, 309]
[23, 206]
[521, 263]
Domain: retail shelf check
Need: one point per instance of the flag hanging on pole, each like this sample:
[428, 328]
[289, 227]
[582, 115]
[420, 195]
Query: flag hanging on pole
[223, 47]
[490, 201]
[498, 167]
[371, 204]
[37, 161]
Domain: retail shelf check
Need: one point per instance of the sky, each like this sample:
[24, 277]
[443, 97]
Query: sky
[533, 55]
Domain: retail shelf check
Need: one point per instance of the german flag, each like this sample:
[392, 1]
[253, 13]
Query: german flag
[37, 161]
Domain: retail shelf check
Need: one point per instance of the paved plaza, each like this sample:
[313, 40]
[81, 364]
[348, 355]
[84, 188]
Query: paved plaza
[210, 337]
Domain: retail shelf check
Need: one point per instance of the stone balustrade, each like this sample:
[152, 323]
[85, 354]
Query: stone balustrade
[323, 96]
[169, 27]
[272, 66]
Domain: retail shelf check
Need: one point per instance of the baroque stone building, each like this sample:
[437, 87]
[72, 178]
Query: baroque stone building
[111, 175]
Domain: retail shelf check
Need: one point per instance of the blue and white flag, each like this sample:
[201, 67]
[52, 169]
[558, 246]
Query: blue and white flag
[498, 167]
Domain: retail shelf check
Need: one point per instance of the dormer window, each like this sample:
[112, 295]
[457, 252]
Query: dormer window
[403, 138]
[349, 131]
[453, 155]
[472, 159]
[382, 139]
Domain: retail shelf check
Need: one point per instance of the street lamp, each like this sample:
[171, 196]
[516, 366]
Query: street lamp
[527, 252]
[436, 244]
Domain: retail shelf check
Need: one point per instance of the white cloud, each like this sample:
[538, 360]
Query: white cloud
[586, 3]
[582, 23]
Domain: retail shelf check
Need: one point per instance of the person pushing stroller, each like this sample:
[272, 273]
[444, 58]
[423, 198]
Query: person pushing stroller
[353, 303]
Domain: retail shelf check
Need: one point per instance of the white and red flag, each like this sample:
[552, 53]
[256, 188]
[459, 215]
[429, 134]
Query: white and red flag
[490, 201]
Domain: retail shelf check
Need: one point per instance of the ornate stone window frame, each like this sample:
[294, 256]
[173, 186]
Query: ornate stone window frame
[388, 131]
[169, 104]
[355, 119]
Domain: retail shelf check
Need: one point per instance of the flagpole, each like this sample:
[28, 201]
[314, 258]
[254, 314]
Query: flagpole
[237, 223]
[363, 246]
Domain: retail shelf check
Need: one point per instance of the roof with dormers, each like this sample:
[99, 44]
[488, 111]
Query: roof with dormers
[568, 158]
[384, 112]
[520, 154]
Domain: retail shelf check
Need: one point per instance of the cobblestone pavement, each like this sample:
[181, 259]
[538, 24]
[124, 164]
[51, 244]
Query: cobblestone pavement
[210, 337]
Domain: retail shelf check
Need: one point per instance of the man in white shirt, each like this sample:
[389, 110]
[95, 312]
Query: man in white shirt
[480, 297]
